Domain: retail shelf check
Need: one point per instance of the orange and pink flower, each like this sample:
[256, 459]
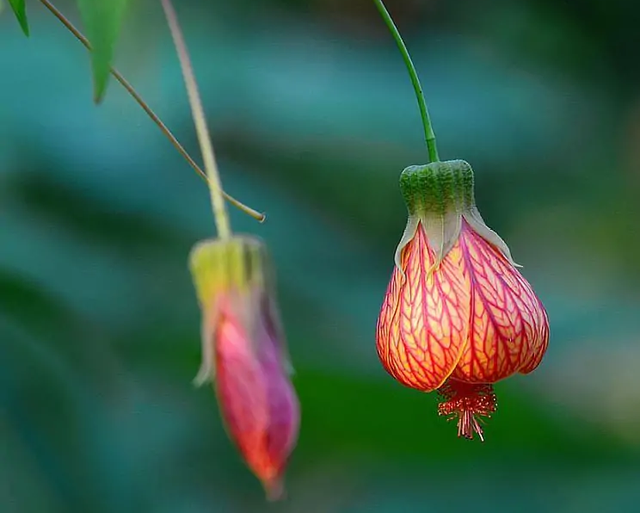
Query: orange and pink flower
[457, 316]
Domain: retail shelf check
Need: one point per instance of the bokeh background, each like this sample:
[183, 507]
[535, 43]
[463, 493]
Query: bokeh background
[313, 118]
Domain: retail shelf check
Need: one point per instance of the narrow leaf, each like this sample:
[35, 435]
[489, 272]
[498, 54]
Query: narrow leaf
[21, 13]
[102, 20]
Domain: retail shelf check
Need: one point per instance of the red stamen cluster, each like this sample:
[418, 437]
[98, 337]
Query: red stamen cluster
[467, 402]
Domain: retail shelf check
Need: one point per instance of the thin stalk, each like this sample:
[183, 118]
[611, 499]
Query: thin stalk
[215, 187]
[429, 135]
[154, 117]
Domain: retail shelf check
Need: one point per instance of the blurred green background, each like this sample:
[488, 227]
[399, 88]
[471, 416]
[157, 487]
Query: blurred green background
[313, 118]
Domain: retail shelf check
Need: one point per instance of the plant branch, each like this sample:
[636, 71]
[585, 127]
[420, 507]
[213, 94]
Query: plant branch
[215, 188]
[154, 117]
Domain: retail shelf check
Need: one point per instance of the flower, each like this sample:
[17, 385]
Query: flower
[245, 355]
[457, 315]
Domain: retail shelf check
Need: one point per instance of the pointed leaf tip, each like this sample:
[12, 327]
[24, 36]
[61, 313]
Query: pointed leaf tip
[102, 21]
[20, 11]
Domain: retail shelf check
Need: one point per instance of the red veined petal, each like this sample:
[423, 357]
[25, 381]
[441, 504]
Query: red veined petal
[423, 324]
[507, 319]
[542, 342]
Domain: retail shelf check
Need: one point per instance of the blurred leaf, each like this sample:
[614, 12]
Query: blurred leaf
[21, 13]
[102, 22]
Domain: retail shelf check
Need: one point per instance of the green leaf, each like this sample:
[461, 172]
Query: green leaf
[102, 20]
[21, 13]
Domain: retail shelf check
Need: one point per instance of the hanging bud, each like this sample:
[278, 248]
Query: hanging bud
[457, 316]
[245, 355]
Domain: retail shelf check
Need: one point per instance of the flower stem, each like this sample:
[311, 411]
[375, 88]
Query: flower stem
[149, 111]
[215, 188]
[429, 135]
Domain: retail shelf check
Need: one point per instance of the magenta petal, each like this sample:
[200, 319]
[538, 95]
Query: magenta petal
[257, 399]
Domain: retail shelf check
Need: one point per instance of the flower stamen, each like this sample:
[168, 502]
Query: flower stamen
[466, 402]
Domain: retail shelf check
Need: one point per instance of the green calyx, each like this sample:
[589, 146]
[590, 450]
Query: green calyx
[219, 265]
[438, 188]
[439, 197]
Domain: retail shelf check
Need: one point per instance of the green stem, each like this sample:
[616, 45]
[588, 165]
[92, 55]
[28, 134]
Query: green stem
[215, 187]
[430, 137]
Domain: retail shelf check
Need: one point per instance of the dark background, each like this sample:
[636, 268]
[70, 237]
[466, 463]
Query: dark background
[313, 118]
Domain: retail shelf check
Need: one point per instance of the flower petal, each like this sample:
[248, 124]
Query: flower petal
[541, 342]
[423, 324]
[507, 319]
[257, 401]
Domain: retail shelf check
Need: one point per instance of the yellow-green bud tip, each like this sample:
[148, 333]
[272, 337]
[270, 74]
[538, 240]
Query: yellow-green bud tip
[219, 265]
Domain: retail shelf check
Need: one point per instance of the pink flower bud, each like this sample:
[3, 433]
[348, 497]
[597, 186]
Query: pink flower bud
[245, 354]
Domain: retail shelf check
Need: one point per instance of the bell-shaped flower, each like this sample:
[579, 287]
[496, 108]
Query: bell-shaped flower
[245, 355]
[457, 315]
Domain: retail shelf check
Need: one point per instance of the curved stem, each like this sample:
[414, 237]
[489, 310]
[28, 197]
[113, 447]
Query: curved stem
[430, 137]
[154, 117]
[215, 187]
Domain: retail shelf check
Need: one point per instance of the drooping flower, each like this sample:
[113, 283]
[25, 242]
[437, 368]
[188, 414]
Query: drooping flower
[457, 316]
[245, 355]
